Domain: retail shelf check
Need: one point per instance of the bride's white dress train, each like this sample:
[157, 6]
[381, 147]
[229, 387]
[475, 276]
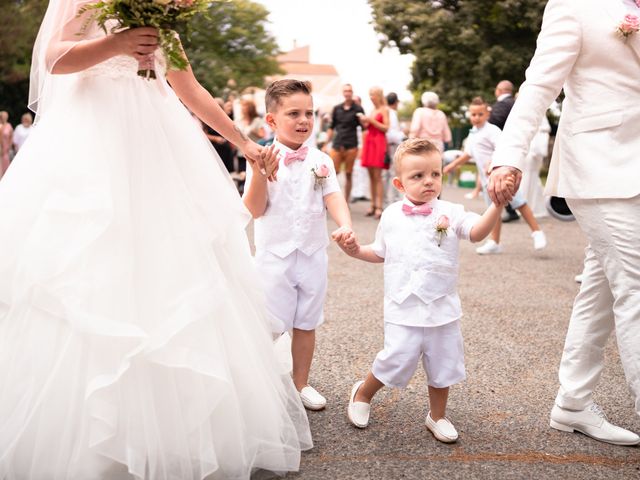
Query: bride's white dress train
[133, 341]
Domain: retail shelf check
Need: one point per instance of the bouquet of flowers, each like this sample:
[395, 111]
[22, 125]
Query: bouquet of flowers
[165, 15]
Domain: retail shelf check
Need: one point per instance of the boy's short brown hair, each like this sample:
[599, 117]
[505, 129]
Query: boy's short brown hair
[284, 88]
[413, 146]
[479, 101]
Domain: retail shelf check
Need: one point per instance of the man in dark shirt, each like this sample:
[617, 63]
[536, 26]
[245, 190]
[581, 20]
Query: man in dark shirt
[343, 135]
[499, 113]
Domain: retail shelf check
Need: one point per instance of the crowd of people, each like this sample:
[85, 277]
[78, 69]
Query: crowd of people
[12, 139]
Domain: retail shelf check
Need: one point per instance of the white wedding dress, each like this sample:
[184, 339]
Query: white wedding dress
[133, 338]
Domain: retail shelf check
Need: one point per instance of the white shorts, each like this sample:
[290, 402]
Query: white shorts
[295, 288]
[440, 347]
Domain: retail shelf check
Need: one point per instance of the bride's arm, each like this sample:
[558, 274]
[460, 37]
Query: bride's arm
[80, 55]
[199, 101]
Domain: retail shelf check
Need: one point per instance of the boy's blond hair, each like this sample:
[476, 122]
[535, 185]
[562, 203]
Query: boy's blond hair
[413, 146]
[284, 88]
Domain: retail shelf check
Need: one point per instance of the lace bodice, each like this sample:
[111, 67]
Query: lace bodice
[122, 66]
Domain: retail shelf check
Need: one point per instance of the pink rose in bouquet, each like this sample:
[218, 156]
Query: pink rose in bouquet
[630, 24]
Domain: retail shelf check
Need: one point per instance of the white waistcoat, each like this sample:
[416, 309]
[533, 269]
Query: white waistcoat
[413, 261]
[295, 218]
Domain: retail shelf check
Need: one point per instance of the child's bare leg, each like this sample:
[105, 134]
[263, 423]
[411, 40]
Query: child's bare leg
[368, 389]
[495, 233]
[303, 343]
[438, 402]
[527, 214]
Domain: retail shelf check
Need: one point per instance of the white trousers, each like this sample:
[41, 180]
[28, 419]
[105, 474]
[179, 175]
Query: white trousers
[609, 299]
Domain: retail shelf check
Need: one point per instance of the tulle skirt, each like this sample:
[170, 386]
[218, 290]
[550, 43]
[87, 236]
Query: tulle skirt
[133, 338]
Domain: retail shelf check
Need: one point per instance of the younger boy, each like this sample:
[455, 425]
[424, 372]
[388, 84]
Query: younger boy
[480, 146]
[291, 226]
[417, 239]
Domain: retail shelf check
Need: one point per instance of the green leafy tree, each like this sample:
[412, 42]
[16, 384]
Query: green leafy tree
[20, 22]
[232, 46]
[462, 47]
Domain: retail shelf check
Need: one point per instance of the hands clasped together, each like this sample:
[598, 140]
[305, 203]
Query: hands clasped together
[346, 240]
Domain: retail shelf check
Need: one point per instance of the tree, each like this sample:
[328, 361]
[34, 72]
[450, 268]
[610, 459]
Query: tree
[462, 47]
[21, 19]
[231, 42]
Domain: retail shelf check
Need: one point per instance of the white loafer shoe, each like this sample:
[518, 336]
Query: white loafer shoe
[358, 412]
[443, 429]
[592, 422]
[311, 399]
[489, 247]
[539, 239]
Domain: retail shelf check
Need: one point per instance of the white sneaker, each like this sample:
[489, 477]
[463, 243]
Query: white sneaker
[539, 239]
[490, 247]
[358, 412]
[470, 195]
[578, 278]
[592, 422]
[311, 399]
[443, 429]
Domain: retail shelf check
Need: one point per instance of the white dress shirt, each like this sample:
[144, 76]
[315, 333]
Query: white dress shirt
[420, 277]
[295, 218]
[394, 132]
[480, 145]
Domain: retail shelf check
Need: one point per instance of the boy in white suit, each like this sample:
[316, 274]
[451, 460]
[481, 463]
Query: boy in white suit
[592, 49]
[417, 239]
[291, 226]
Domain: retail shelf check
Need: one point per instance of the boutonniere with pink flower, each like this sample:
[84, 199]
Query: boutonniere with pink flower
[320, 175]
[441, 228]
[628, 26]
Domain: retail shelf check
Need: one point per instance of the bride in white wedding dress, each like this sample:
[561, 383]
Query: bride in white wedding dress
[133, 338]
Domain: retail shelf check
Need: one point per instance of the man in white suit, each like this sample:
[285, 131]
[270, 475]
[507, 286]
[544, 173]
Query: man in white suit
[595, 166]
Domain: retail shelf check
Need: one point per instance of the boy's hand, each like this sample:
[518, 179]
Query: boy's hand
[347, 241]
[339, 234]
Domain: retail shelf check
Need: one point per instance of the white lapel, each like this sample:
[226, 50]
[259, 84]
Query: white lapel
[616, 11]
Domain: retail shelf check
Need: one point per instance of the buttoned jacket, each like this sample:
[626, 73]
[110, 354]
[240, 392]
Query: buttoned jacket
[414, 263]
[295, 217]
[596, 148]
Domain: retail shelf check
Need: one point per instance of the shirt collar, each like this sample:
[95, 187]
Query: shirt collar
[503, 96]
[433, 203]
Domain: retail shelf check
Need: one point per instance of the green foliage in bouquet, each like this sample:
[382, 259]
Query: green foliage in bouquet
[165, 15]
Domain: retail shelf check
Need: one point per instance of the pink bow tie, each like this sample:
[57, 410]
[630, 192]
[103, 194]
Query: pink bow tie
[297, 156]
[423, 209]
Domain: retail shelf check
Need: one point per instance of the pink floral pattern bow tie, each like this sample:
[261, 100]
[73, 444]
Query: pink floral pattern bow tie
[423, 209]
[297, 156]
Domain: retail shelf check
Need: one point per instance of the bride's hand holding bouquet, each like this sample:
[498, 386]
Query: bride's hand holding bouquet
[162, 16]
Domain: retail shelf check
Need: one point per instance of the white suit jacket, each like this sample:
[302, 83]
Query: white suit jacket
[597, 148]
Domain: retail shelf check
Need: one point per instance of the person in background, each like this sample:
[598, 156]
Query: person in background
[430, 123]
[22, 131]
[6, 142]
[374, 148]
[395, 136]
[343, 136]
[224, 148]
[499, 113]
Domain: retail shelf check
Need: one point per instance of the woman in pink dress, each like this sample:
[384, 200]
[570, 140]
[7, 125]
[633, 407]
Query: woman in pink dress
[374, 148]
[430, 123]
[6, 141]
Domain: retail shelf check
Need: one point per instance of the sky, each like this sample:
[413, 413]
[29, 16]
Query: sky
[340, 33]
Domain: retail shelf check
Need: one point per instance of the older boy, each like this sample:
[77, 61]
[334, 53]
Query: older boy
[291, 227]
